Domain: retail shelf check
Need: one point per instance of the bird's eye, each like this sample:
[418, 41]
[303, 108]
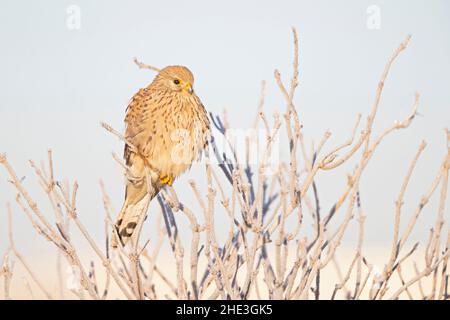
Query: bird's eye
[176, 81]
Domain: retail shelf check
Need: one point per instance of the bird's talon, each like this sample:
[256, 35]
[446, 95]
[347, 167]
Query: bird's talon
[166, 180]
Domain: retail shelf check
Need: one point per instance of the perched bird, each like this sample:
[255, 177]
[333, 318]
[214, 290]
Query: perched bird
[168, 128]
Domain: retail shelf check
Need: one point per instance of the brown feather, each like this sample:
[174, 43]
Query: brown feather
[169, 127]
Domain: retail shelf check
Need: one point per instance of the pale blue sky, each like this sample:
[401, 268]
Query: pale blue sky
[58, 84]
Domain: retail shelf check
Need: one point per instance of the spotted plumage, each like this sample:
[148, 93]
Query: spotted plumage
[169, 127]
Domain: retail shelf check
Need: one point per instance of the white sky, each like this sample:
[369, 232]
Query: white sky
[58, 84]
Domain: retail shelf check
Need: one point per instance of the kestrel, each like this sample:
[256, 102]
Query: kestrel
[168, 128]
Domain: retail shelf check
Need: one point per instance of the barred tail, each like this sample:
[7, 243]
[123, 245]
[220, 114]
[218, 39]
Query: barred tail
[127, 222]
[133, 211]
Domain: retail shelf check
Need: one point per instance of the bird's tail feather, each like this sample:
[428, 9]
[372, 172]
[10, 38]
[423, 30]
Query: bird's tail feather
[133, 211]
[127, 221]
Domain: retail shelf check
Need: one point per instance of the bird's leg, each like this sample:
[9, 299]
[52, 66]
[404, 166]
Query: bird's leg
[166, 179]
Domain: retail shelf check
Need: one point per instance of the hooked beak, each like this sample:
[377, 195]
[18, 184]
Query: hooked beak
[188, 88]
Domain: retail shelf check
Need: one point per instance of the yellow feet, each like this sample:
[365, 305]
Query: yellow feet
[166, 180]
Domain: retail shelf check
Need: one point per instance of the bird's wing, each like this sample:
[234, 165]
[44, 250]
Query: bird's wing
[137, 119]
[138, 132]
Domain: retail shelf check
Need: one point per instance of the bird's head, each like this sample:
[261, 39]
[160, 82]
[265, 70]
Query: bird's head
[176, 78]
